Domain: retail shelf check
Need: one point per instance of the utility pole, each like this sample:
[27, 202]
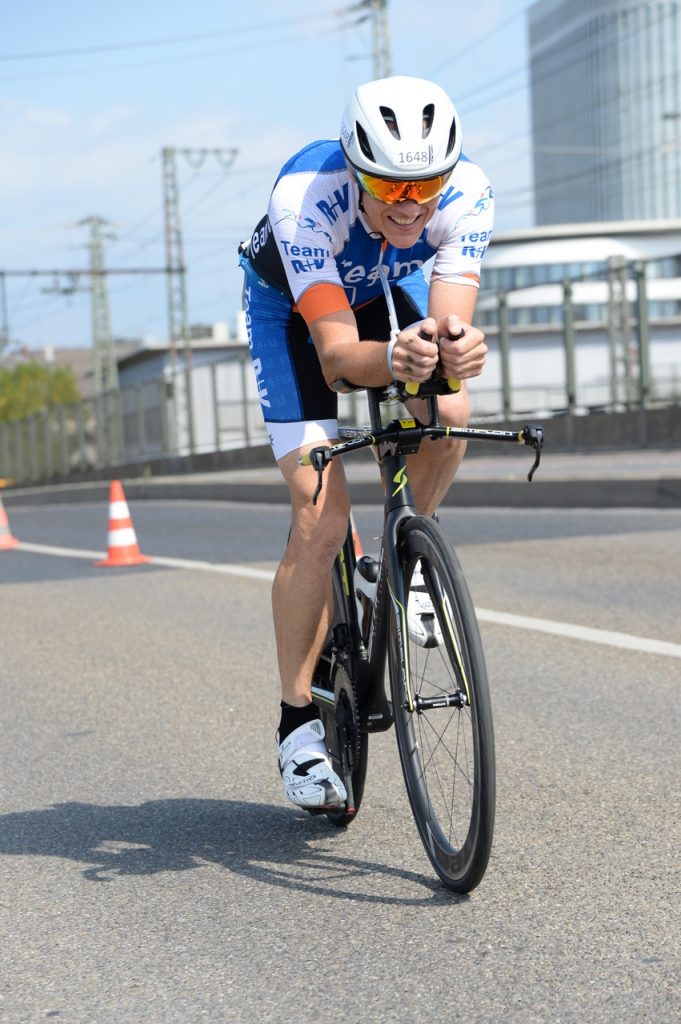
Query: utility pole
[377, 11]
[65, 282]
[178, 317]
[178, 322]
[382, 64]
[106, 367]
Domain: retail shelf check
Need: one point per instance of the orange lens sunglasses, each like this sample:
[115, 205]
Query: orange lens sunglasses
[387, 190]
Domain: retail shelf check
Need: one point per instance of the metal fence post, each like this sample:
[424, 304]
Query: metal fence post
[80, 434]
[17, 426]
[48, 465]
[569, 336]
[216, 411]
[96, 408]
[619, 330]
[63, 441]
[4, 450]
[504, 352]
[164, 407]
[189, 401]
[141, 432]
[643, 333]
[33, 460]
[118, 419]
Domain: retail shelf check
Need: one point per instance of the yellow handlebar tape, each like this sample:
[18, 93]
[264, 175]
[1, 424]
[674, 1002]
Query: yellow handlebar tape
[412, 387]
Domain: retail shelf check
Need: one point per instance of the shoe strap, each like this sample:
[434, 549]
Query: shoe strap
[310, 735]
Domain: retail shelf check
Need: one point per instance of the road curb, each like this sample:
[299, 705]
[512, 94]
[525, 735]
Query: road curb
[635, 492]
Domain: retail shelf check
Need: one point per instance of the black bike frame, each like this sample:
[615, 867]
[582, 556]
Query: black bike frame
[391, 444]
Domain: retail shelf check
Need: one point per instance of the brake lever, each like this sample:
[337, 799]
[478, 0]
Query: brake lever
[533, 435]
[320, 484]
[319, 459]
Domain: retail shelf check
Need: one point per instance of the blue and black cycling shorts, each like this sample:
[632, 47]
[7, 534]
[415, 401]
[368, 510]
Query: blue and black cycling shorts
[298, 406]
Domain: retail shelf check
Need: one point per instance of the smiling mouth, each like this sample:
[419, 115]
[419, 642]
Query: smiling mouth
[404, 222]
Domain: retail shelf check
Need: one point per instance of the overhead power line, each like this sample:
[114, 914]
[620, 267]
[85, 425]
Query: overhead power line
[478, 41]
[553, 68]
[141, 44]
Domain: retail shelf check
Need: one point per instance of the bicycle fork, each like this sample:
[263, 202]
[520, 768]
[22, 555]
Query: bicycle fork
[392, 570]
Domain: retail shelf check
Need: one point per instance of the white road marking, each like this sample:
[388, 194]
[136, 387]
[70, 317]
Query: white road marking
[46, 549]
[587, 633]
[170, 563]
[606, 637]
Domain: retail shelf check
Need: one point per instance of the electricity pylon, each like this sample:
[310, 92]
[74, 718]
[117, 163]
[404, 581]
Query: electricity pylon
[105, 365]
[178, 318]
[382, 63]
[377, 11]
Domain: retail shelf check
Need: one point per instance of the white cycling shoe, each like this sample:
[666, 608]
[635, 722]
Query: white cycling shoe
[422, 624]
[305, 766]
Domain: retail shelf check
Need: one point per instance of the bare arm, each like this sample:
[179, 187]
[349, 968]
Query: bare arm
[450, 308]
[342, 356]
[445, 298]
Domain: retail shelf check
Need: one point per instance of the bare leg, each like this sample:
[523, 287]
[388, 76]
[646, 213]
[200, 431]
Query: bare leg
[432, 470]
[301, 594]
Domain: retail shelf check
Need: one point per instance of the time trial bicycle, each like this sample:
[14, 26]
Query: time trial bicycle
[437, 694]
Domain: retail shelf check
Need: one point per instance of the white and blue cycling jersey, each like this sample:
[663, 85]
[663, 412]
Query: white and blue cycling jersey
[314, 253]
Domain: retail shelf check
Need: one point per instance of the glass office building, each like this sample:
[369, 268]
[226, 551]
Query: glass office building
[606, 109]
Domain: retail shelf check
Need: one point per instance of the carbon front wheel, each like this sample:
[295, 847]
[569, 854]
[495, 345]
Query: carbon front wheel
[442, 710]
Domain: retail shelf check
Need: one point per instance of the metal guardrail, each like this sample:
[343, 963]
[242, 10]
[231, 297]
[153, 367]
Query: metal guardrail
[215, 406]
[208, 408]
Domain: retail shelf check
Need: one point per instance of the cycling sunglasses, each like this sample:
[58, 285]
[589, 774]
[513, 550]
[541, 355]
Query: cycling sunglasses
[387, 190]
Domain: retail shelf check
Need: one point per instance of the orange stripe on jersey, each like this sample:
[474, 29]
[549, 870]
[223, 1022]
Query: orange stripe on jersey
[458, 278]
[321, 299]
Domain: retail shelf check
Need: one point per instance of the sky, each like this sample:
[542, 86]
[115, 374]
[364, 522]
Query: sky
[91, 93]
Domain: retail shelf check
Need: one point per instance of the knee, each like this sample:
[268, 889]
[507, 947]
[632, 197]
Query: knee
[317, 534]
[455, 410]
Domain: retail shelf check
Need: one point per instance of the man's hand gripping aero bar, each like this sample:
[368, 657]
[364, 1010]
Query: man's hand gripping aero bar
[437, 384]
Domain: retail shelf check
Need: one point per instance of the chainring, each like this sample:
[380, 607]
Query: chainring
[347, 711]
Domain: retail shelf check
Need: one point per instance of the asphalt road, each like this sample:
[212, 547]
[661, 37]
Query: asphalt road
[151, 871]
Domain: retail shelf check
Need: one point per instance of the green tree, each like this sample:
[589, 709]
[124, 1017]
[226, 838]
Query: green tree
[30, 387]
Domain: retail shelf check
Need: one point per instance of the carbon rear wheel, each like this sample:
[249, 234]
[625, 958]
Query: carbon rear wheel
[443, 716]
[347, 744]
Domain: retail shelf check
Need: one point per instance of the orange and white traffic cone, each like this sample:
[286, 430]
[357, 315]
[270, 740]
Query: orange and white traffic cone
[7, 541]
[359, 550]
[123, 548]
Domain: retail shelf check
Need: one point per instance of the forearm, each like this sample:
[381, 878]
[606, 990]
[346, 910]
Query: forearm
[445, 299]
[364, 363]
[343, 356]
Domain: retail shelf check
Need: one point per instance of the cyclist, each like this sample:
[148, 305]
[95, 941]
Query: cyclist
[391, 193]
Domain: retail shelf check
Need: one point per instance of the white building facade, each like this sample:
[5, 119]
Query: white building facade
[609, 270]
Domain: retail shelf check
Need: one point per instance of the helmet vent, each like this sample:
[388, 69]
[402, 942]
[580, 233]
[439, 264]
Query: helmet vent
[428, 115]
[363, 140]
[390, 119]
[452, 137]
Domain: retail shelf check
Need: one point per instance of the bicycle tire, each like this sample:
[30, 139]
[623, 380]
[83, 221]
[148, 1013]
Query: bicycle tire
[447, 753]
[348, 745]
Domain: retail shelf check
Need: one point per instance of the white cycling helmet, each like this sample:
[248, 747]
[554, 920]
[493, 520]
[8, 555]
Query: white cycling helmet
[401, 128]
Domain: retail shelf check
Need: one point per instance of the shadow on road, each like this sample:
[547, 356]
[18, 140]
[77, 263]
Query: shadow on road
[271, 844]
